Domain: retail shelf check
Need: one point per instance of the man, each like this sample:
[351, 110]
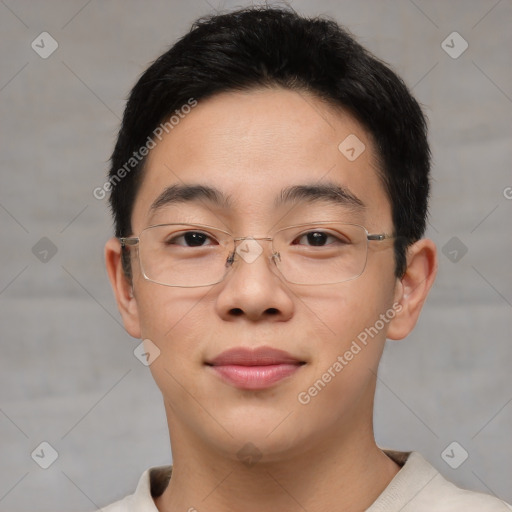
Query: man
[269, 188]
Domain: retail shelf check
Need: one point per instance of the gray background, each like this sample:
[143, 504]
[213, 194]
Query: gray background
[68, 375]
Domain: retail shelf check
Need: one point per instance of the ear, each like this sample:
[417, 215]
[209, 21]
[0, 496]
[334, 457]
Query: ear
[123, 291]
[412, 289]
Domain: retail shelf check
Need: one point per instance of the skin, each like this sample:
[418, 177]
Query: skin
[250, 145]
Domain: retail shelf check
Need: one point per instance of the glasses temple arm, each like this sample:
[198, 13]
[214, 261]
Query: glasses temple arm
[379, 237]
[128, 241]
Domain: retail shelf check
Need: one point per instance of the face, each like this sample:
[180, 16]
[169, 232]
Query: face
[250, 147]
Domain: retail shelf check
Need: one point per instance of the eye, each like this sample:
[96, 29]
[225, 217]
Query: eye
[190, 239]
[320, 239]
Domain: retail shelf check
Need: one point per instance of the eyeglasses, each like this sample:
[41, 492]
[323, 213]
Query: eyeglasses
[193, 255]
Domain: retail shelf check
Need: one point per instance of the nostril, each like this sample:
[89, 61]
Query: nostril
[272, 311]
[236, 312]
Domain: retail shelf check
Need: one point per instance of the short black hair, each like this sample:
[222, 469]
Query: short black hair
[267, 47]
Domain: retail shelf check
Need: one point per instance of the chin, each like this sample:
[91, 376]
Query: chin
[259, 446]
[276, 434]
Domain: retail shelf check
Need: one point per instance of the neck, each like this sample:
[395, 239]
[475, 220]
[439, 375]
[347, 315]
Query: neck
[345, 471]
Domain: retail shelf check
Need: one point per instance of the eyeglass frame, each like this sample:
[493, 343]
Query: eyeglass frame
[133, 241]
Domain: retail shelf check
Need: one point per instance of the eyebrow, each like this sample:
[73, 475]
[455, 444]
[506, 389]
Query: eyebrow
[187, 193]
[326, 192]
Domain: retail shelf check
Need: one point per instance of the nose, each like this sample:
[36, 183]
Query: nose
[252, 288]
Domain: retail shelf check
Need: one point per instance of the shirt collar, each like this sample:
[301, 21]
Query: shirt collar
[415, 473]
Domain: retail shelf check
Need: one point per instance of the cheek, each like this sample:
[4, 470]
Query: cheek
[161, 307]
[347, 329]
[173, 319]
[340, 314]
[348, 344]
[176, 322]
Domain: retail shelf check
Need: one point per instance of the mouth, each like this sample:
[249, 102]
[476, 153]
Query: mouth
[254, 369]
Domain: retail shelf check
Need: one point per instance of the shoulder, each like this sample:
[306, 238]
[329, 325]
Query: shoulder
[419, 487]
[443, 496]
[151, 484]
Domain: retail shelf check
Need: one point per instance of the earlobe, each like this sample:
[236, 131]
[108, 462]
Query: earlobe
[412, 289]
[123, 290]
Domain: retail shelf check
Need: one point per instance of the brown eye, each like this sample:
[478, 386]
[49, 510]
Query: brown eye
[319, 239]
[190, 239]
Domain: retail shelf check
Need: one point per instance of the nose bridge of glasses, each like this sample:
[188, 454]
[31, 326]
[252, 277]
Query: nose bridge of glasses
[251, 249]
[240, 238]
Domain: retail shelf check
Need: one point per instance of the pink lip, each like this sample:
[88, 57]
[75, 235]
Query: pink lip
[259, 368]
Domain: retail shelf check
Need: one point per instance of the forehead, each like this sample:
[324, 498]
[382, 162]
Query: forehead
[252, 145]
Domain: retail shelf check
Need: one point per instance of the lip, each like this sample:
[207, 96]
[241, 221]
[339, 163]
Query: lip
[257, 368]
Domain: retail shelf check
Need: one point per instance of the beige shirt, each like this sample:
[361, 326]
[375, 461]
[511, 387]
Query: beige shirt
[417, 487]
